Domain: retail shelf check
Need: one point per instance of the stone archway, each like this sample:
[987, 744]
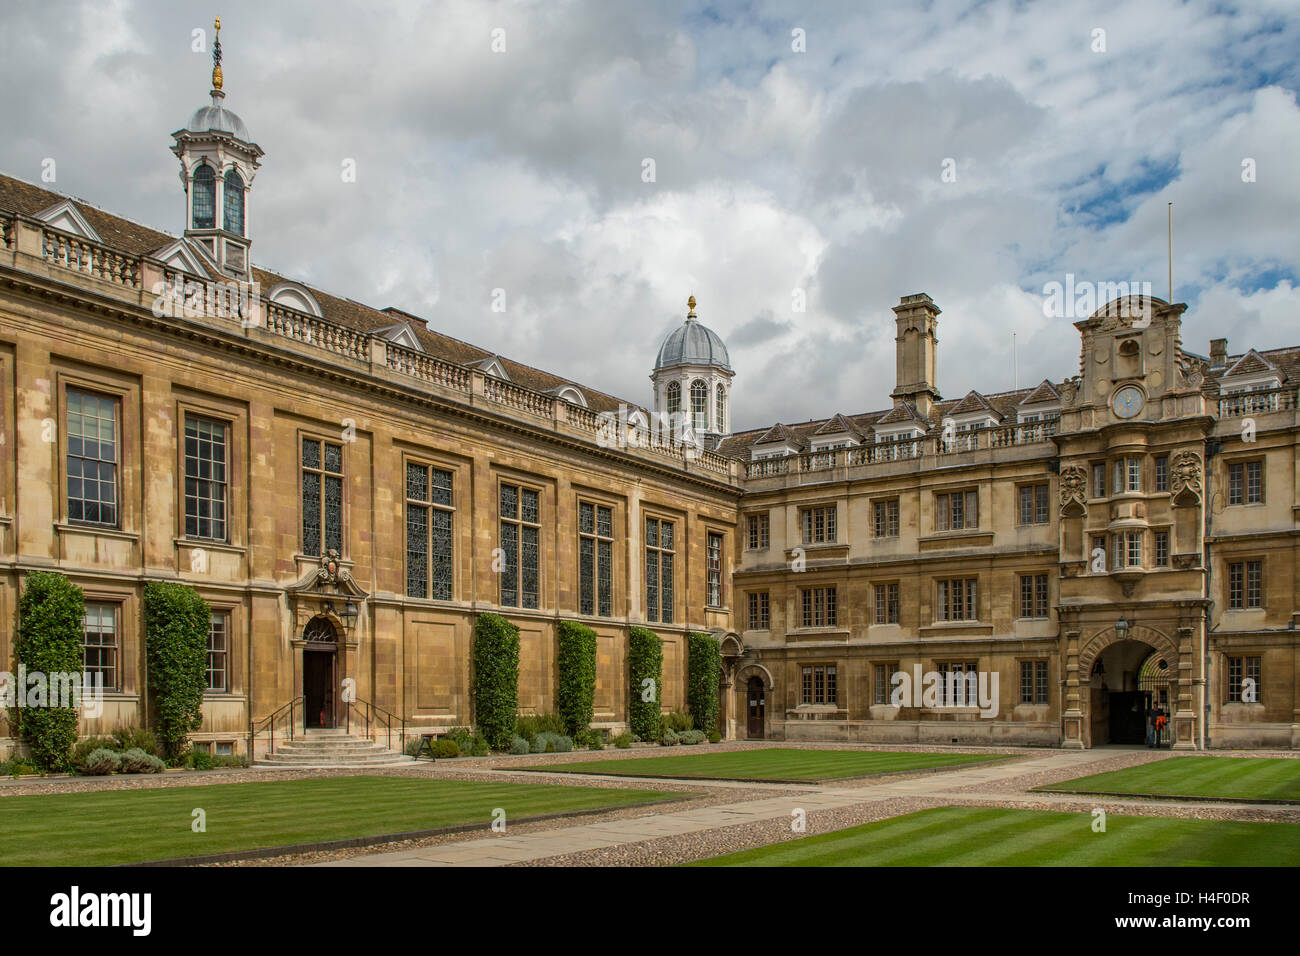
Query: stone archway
[1089, 694]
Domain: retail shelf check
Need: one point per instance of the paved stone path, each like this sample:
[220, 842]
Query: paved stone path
[498, 850]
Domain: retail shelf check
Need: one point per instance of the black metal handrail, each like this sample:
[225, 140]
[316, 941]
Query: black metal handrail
[374, 712]
[268, 723]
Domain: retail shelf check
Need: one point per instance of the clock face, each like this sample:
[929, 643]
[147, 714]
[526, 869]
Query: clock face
[1128, 401]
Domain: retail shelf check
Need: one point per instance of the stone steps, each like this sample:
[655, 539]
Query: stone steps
[330, 748]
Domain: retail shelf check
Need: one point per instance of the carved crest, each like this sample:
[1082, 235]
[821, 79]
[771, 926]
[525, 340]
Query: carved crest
[330, 571]
[1185, 477]
[1074, 490]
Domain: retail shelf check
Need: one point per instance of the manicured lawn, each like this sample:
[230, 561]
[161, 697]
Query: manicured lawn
[776, 763]
[1256, 778]
[978, 836]
[128, 826]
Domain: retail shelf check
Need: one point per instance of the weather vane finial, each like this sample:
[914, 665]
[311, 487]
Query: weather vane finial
[216, 55]
[690, 304]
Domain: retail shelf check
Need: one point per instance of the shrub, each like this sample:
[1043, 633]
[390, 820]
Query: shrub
[677, 721]
[575, 690]
[692, 737]
[199, 760]
[623, 741]
[591, 739]
[645, 655]
[518, 745]
[230, 760]
[703, 672]
[102, 761]
[176, 622]
[85, 748]
[714, 737]
[476, 746]
[529, 726]
[443, 749]
[496, 678]
[50, 631]
[412, 747]
[563, 744]
[136, 760]
[129, 738]
[544, 743]
[669, 739]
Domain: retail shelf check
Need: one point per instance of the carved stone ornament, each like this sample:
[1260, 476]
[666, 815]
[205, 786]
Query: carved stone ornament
[1185, 477]
[1074, 490]
[330, 571]
[1068, 393]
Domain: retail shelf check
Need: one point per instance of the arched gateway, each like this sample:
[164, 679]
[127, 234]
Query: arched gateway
[1124, 678]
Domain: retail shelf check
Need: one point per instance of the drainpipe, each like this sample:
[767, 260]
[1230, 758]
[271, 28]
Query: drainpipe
[1207, 528]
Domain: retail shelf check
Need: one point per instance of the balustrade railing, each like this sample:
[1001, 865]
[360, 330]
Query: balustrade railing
[515, 396]
[90, 258]
[1241, 404]
[428, 369]
[309, 329]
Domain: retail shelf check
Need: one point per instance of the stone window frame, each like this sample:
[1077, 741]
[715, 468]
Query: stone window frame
[1231, 693]
[678, 523]
[758, 530]
[893, 517]
[758, 610]
[615, 572]
[1033, 487]
[431, 462]
[876, 604]
[1041, 684]
[311, 434]
[126, 392]
[1033, 577]
[1244, 562]
[808, 689]
[235, 417]
[521, 484]
[886, 686]
[1244, 464]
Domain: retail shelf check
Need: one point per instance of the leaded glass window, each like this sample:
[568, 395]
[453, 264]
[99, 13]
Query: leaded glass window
[428, 532]
[205, 479]
[92, 458]
[204, 198]
[322, 497]
[520, 531]
[659, 552]
[232, 209]
[595, 558]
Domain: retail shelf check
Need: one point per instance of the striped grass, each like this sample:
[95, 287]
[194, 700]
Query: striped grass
[990, 837]
[1250, 778]
[130, 826]
[774, 764]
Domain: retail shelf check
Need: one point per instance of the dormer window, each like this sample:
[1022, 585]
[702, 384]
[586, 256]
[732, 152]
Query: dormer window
[204, 198]
[233, 203]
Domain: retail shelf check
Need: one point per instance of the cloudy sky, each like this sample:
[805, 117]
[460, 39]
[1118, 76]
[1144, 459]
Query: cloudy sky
[974, 151]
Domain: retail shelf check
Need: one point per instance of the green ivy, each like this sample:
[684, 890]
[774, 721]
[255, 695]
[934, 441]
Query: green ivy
[575, 691]
[496, 679]
[645, 656]
[51, 617]
[703, 673]
[176, 624]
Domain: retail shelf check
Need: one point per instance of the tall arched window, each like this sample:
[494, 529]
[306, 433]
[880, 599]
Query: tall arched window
[699, 405]
[233, 203]
[674, 398]
[203, 198]
[720, 410]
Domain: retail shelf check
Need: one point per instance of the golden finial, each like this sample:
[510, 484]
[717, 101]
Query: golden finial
[690, 304]
[216, 55]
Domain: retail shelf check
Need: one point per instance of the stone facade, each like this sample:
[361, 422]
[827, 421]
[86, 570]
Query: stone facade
[1125, 537]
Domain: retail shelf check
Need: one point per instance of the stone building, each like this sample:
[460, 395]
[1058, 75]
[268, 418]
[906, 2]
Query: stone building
[348, 489]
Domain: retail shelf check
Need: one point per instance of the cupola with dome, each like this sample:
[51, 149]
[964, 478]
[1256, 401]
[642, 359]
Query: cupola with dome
[692, 377]
[218, 162]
